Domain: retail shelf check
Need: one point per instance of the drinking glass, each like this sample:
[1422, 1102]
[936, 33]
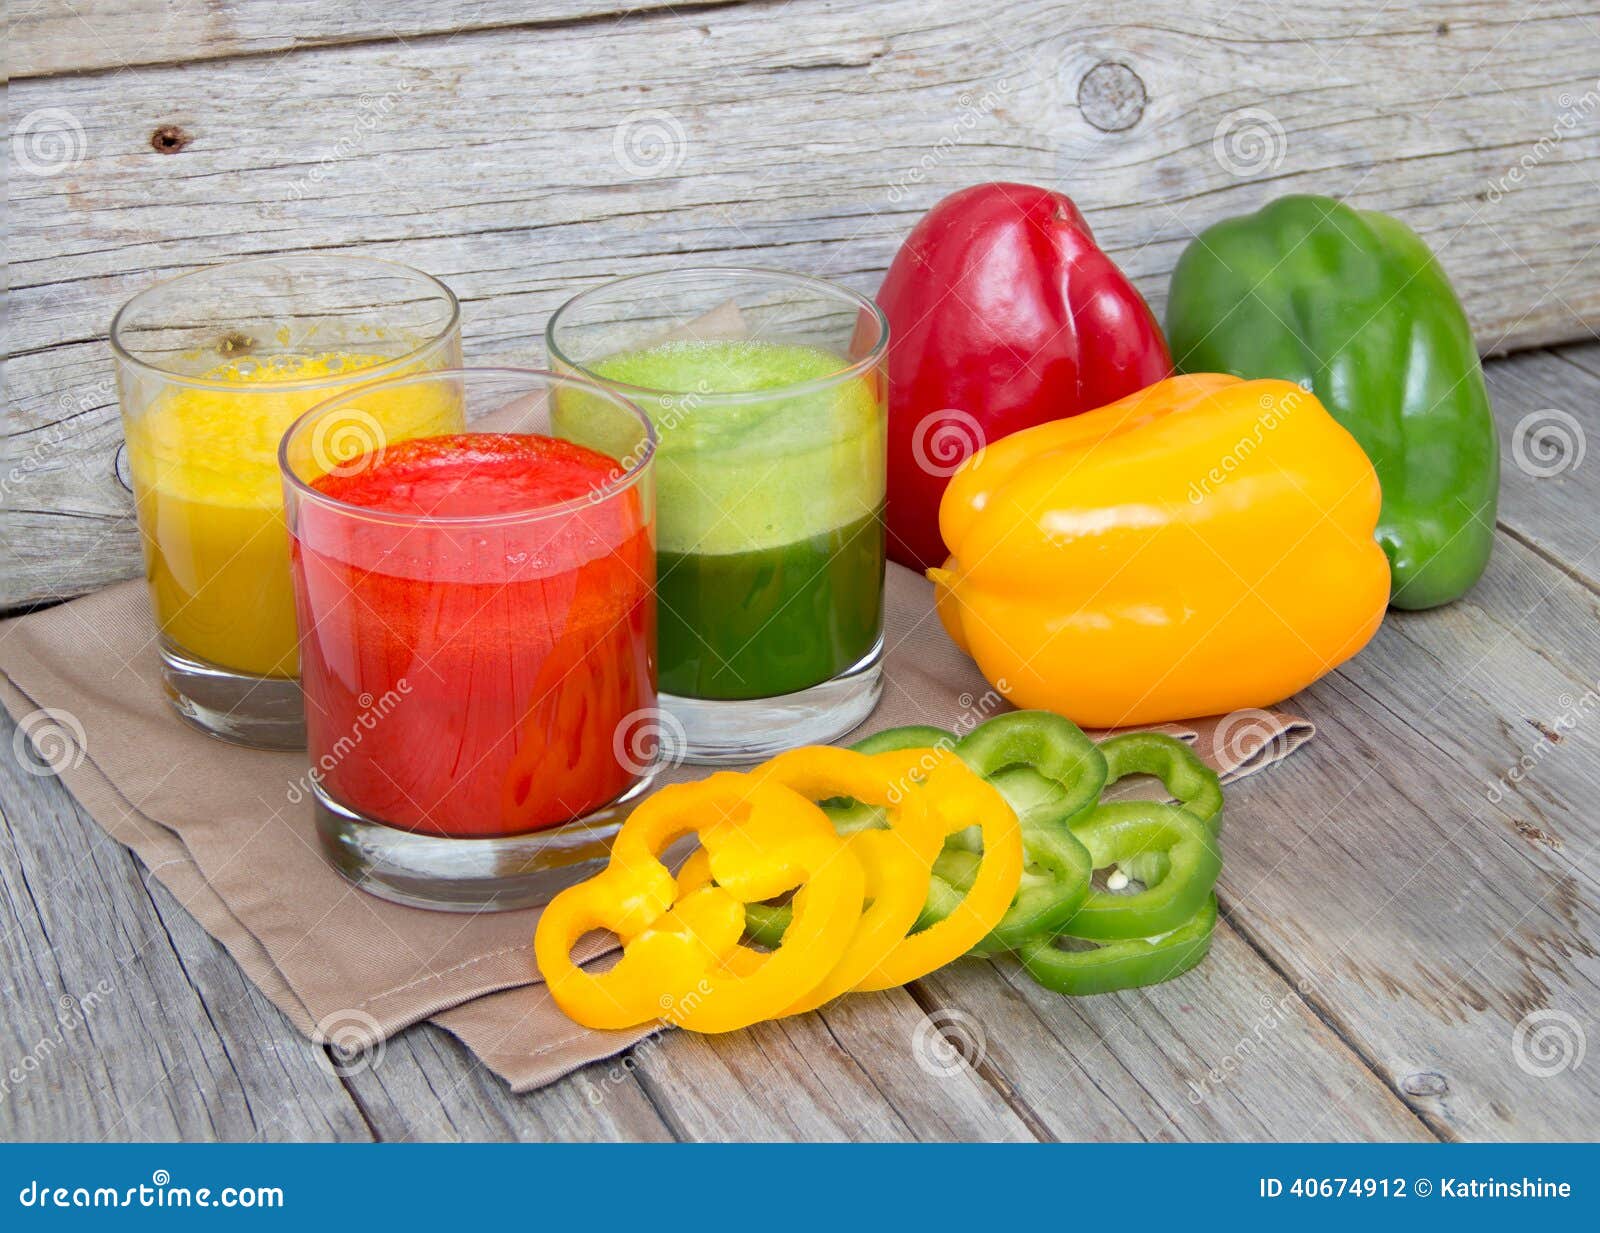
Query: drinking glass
[477, 616]
[212, 367]
[768, 392]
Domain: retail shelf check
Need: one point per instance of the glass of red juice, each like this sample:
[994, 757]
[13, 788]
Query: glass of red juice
[475, 597]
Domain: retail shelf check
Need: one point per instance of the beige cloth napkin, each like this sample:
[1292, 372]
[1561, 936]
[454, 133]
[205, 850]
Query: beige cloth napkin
[219, 826]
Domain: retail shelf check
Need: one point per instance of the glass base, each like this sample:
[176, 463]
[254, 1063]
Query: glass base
[264, 712]
[469, 875]
[718, 733]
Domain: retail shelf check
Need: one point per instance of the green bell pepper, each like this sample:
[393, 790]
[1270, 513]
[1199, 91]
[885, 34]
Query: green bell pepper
[1352, 305]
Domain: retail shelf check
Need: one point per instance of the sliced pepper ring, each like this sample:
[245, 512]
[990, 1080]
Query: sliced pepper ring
[760, 840]
[1050, 774]
[909, 736]
[896, 884]
[895, 861]
[1191, 781]
[961, 799]
[961, 802]
[1126, 964]
[1120, 831]
[859, 797]
[1053, 746]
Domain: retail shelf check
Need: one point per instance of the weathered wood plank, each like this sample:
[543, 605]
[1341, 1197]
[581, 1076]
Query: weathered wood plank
[855, 1071]
[1547, 406]
[87, 35]
[124, 1019]
[1429, 870]
[810, 140]
[427, 1087]
[1181, 1061]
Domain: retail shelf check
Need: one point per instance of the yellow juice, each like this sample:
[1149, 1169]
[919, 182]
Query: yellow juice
[204, 464]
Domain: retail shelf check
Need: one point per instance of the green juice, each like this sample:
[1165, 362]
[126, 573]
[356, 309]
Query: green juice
[770, 540]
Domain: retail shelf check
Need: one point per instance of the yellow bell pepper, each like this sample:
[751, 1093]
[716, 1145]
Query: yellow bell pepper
[760, 841]
[1201, 546]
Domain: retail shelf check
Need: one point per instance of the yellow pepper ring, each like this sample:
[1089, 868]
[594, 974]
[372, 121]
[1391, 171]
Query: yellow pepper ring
[896, 886]
[759, 840]
[668, 955]
[959, 798]
[819, 772]
[897, 862]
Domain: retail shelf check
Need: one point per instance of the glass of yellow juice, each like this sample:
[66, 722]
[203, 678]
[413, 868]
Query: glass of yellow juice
[212, 369]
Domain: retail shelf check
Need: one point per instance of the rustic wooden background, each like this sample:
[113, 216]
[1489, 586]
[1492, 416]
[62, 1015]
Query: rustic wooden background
[1404, 903]
[523, 151]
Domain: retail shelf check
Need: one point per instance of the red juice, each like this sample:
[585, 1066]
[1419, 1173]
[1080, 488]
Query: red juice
[475, 678]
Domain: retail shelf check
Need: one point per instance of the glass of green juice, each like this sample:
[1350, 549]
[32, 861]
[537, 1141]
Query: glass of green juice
[768, 393]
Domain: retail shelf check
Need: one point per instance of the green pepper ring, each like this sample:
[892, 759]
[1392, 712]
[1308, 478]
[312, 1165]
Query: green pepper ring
[1057, 879]
[1182, 774]
[1191, 781]
[1119, 832]
[1130, 963]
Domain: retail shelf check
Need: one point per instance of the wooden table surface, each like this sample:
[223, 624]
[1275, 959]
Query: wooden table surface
[1409, 941]
[1408, 947]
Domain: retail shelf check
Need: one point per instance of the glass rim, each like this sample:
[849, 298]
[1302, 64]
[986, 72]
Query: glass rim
[375, 372]
[850, 371]
[544, 379]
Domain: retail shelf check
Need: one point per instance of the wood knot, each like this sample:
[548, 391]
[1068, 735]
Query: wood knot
[1425, 1083]
[1534, 834]
[169, 139]
[1545, 730]
[1111, 97]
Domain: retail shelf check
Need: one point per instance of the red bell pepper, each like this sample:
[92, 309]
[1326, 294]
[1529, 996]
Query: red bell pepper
[1003, 314]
